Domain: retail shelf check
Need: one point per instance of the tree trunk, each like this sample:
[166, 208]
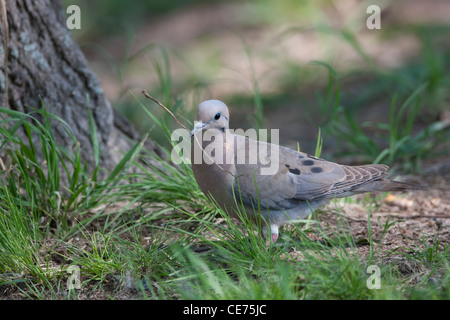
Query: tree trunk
[46, 66]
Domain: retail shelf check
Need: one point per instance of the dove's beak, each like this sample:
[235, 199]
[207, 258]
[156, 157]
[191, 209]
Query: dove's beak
[198, 125]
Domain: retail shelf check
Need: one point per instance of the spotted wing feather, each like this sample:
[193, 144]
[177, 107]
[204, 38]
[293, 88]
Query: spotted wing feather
[300, 177]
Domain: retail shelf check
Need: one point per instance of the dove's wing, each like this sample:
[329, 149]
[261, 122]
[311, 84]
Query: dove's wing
[300, 177]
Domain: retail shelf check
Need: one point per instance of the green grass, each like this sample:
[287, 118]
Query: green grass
[404, 146]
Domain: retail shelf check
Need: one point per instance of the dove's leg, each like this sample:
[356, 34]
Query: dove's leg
[272, 235]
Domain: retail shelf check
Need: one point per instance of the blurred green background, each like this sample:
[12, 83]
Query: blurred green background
[376, 95]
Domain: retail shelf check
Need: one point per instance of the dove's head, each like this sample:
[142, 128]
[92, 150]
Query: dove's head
[212, 114]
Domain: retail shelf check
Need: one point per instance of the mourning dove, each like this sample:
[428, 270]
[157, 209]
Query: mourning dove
[299, 184]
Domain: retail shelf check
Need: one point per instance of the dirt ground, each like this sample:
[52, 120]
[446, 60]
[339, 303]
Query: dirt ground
[421, 218]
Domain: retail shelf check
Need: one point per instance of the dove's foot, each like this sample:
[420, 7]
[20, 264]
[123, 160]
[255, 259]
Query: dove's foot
[273, 235]
[274, 238]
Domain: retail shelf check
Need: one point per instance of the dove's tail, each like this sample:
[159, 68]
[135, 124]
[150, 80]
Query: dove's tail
[384, 185]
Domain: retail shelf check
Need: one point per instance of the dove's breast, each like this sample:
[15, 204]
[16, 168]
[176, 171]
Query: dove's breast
[213, 170]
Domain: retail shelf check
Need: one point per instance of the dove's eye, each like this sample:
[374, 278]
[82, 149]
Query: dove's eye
[217, 116]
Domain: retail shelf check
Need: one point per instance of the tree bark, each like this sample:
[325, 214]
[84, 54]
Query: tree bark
[46, 66]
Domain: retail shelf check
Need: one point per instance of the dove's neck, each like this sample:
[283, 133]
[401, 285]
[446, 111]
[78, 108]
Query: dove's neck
[213, 147]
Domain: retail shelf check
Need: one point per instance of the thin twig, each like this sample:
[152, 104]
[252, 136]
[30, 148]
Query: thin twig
[145, 93]
[405, 217]
[437, 216]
